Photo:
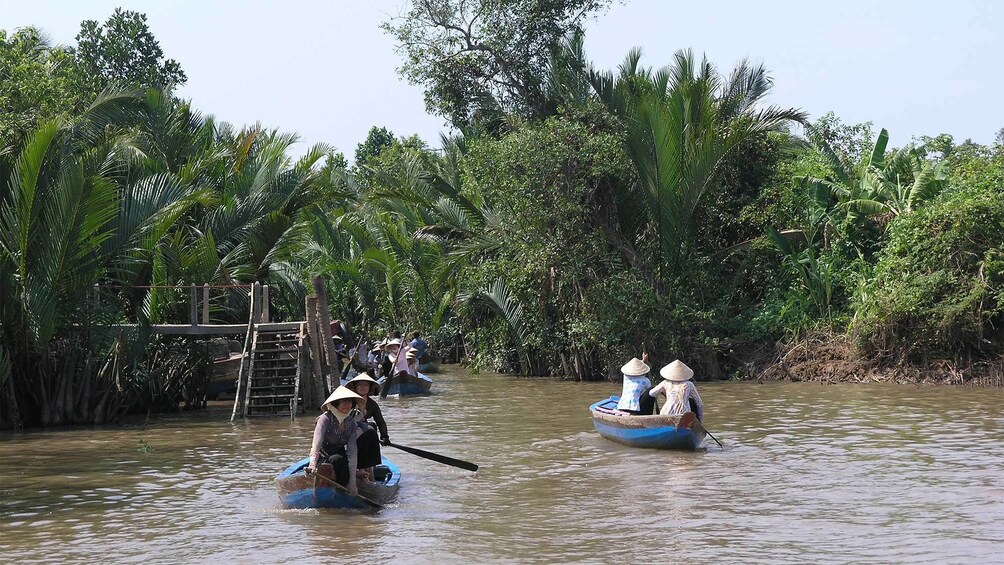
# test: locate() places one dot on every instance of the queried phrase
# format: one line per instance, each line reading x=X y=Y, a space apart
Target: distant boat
x=430 y=366
x=223 y=381
x=299 y=490
x=683 y=431
x=406 y=385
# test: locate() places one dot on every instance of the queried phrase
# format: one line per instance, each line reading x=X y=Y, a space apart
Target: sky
x=325 y=70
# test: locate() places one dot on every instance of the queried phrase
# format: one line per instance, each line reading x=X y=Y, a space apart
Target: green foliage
x=483 y=59
x=376 y=141
x=37 y=83
x=138 y=190
x=849 y=144
x=547 y=183
x=123 y=50
x=682 y=122
x=938 y=286
x=43 y=81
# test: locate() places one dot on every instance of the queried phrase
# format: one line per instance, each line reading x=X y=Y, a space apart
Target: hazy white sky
x=325 y=70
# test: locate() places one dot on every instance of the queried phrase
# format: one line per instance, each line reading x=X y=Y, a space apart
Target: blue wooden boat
x=683 y=431
x=404 y=384
x=299 y=490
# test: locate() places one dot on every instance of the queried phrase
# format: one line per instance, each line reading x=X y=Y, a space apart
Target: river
x=809 y=473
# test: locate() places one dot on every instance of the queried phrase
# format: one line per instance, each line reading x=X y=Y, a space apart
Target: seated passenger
x=375 y=359
x=412 y=366
x=634 y=399
x=681 y=392
x=419 y=344
x=390 y=367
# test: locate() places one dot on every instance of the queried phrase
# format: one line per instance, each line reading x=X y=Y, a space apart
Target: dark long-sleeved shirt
x=373 y=411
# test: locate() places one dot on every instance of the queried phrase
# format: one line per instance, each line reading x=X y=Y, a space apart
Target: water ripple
x=810 y=473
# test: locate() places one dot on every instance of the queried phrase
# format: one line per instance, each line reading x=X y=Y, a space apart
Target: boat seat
x=382 y=473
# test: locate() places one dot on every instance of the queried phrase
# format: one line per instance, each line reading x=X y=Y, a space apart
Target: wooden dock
x=285 y=365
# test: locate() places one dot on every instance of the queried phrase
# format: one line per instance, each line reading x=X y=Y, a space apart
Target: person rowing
x=388 y=366
x=369 y=446
x=680 y=390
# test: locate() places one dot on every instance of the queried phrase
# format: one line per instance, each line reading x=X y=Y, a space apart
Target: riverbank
x=834 y=359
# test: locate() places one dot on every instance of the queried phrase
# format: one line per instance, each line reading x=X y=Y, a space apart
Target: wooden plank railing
x=195 y=325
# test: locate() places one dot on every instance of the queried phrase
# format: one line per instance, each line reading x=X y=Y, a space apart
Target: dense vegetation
x=578 y=216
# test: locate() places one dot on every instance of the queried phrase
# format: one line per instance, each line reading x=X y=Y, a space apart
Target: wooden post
x=324 y=319
x=205 y=304
x=315 y=390
x=265 y=305
x=194 y=306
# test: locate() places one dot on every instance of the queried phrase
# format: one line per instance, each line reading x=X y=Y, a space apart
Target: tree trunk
x=324 y=319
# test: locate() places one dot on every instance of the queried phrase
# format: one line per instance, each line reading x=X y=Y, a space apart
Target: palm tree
x=682 y=121
x=71 y=215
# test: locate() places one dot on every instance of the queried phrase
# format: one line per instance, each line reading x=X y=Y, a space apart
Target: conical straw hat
x=677 y=371
x=363 y=378
x=635 y=367
x=340 y=393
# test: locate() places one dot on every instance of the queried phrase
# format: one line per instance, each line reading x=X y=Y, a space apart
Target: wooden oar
x=714 y=438
x=348 y=364
x=436 y=457
x=343 y=489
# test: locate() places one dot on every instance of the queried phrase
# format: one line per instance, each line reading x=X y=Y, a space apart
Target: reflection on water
x=845 y=473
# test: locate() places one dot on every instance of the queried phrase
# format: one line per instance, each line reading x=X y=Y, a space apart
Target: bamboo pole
x=301 y=355
x=324 y=319
x=243 y=372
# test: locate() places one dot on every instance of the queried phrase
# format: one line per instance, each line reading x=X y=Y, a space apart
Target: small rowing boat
x=299 y=490
x=405 y=384
x=683 y=431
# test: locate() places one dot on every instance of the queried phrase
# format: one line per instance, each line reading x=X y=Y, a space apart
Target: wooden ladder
x=275 y=365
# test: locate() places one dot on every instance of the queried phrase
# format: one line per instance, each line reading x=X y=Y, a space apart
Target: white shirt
x=678 y=396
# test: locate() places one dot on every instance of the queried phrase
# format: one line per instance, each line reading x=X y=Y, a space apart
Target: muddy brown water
x=809 y=473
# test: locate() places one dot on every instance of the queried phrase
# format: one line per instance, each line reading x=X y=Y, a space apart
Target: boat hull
x=223 y=382
x=682 y=431
x=299 y=490
x=429 y=367
x=407 y=385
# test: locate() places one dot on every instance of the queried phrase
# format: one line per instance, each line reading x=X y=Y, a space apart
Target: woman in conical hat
x=412 y=358
x=335 y=436
x=634 y=399
x=369 y=445
x=680 y=390
x=375 y=358
x=388 y=367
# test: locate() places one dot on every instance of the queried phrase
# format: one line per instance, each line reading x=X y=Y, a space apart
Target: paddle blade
x=459 y=463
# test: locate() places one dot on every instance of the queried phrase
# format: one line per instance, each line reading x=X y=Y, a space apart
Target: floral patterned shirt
x=678 y=397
